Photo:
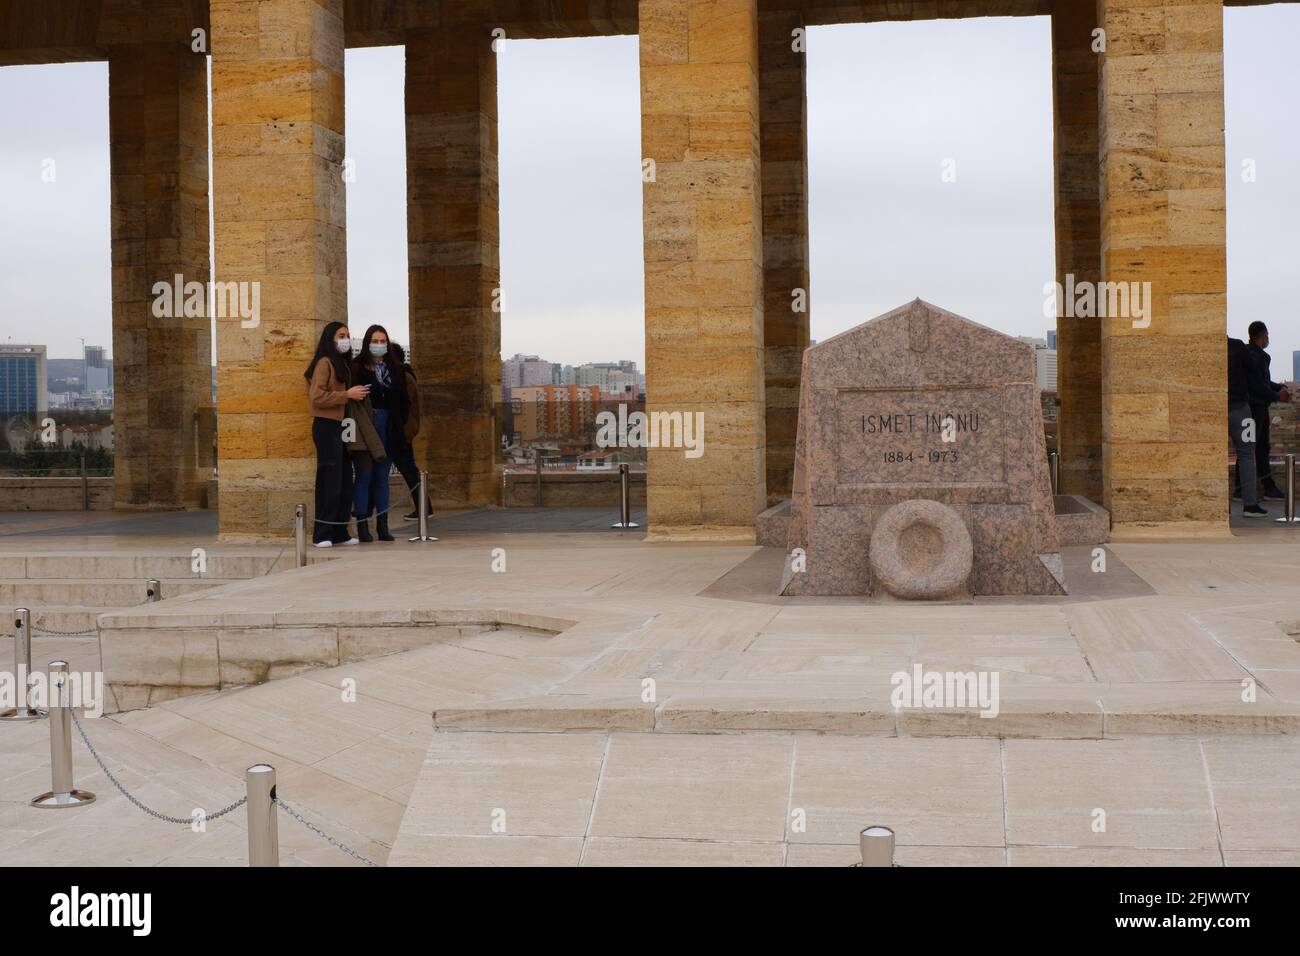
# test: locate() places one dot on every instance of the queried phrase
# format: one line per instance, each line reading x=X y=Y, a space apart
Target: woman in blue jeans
x=378 y=367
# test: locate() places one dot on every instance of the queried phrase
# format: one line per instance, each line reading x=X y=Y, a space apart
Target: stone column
x=1164 y=376
x=277 y=141
x=703 y=262
x=1078 y=245
x=453 y=236
x=162 y=363
x=783 y=107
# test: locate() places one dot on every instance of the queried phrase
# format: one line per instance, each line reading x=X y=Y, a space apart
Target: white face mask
x=343 y=345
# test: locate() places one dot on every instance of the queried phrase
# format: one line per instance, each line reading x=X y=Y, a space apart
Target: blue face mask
x=378 y=350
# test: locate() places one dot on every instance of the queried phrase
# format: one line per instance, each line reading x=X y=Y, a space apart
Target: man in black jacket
x=1241 y=428
x=1263 y=393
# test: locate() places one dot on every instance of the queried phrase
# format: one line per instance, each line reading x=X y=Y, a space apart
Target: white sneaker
x=323 y=544
x=352 y=541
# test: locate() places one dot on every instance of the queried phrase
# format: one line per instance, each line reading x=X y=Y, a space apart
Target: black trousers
x=1262 y=468
x=1260 y=412
x=404 y=462
x=333 y=481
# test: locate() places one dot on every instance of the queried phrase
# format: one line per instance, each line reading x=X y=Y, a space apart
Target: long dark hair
x=326 y=349
x=365 y=360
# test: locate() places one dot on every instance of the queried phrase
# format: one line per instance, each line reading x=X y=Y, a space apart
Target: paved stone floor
x=766 y=736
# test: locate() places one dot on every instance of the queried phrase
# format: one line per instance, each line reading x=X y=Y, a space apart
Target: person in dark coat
x=1264 y=393
x=1241 y=427
x=378 y=369
x=407 y=421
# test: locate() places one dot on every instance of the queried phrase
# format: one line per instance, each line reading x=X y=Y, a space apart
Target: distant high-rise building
x=1045 y=369
x=1295 y=366
x=1044 y=359
x=524 y=371
x=609 y=376
x=22 y=380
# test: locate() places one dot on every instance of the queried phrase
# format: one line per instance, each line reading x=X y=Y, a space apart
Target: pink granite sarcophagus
x=921 y=469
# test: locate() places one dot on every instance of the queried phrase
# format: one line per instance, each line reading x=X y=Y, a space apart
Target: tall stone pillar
x=704 y=262
x=277 y=140
x=1164 y=376
x=1076 y=68
x=783 y=127
x=453 y=240
x=158 y=147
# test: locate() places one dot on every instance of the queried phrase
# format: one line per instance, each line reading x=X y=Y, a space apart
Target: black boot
x=381 y=527
x=363 y=531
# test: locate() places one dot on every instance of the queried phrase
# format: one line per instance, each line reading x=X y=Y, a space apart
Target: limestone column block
x=158 y=149
x=783 y=128
x=1076 y=71
x=279 y=212
x=704 y=262
x=1163 y=222
x=453 y=236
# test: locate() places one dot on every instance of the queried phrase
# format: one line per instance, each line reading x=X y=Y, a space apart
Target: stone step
x=140 y=567
x=95 y=593
x=1119 y=713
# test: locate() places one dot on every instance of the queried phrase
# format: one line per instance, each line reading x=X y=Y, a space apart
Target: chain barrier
x=183 y=821
x=268 y=571
x=350 y=520
x=51 y=632
x=188 y=821
x=321 y=833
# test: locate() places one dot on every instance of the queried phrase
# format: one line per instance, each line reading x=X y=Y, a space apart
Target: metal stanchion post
x=1054 y=469
x=153 y=591
x=538 y=453
x=62 y=793
x=422 y=506
x=263 y=836
x=23 y=668
x=625 y=501
x=877 y=846
x=300 y=536
x=85 y=486
x=1289 y=465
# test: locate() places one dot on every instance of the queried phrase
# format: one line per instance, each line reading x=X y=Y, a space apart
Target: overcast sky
x=888 y=104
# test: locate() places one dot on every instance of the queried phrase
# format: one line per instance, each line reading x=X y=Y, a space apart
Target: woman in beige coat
x=329 y=392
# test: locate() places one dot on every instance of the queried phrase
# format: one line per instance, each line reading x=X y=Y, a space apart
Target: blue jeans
x=1238 y=415
x=371 y=489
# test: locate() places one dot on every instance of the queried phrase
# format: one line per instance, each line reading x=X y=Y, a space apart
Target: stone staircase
x=67 y=592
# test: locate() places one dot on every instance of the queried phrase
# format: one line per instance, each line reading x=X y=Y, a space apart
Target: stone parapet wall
x=54 y=494
x=569 y=490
